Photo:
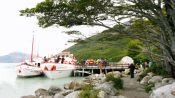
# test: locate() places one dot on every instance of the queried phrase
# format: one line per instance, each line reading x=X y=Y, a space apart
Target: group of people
x=144 y=65
x=89 y=62
x=57 y=60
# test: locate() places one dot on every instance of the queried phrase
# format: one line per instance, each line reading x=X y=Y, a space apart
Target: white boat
x=28 y=70
x=56 y=68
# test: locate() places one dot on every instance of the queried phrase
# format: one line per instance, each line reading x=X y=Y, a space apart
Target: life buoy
x=45 y=68
x=53 y=67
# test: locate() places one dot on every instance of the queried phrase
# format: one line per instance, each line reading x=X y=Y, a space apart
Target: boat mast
x=31 y=56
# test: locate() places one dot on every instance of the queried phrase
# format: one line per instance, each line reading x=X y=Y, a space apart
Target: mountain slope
x=111 y=46
x=14 y=57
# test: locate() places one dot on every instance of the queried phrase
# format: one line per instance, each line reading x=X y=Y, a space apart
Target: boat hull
x=58 y=74
x=60 y=71
x=28 y=71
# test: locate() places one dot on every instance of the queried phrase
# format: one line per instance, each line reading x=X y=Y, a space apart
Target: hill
x=14 y=57
x=111 y=46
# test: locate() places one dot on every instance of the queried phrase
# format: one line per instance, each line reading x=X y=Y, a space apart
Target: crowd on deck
x=92 y=62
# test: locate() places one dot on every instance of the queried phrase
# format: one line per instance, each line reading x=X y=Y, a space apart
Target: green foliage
x=118 y=82
x=112 y=50
x=158 y=70
x=134 y=48
x=141 y=58
x=135 y=51
x=148 y=87
x=88 y=92
x=68 y=12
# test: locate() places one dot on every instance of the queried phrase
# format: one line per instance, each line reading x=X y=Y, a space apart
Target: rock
x=66 y=92
x=96 y=77
x=157 y=85
x=66 y=86
x=45 y=96
x=166 y=91
x=145 y=80
x=126 y=72
x=75 y=85
x=155 y=79
x=73 y=95
x=117 y=96
x=102 y=94
x=107 y=87
x=41 y=92
x=53 y=90
x=58 y=95
x=150 y=74
x=116 y=74
x=173 y=93
x=29 y=96
x=167 y=80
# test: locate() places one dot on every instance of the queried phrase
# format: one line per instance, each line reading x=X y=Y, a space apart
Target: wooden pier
x=88 y=70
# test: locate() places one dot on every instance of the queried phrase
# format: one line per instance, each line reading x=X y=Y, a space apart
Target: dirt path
x=132 y=89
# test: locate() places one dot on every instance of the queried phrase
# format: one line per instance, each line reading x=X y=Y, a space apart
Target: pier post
x=74 y=73
x=105 y=70
x=83 y=72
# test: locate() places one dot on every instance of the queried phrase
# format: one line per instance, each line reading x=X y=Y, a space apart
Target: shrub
x=88 y=92
x=148 y=87
x=118 y=82
x=158 y=70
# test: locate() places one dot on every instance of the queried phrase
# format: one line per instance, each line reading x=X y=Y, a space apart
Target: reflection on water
x=14 y=87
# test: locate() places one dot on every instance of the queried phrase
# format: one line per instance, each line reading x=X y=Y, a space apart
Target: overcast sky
x=16 y=31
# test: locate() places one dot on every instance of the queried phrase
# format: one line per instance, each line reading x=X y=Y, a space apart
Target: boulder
x=167 y=91
x=66 y=92
x=45 y=96
x=75 y=85
x=107 y=87
x=96 y=77
x=116 y=74
x=126 y=72
x=155 y=79
x=66 y=86
x=167 y=80
x=73 y=95
x=29 y=96
x=102 y=94
x=117 y=96
x=41 y=92
x=58 y=95
x=53 y=90
x=157 y=85
x=150 y=74
x=145 y=80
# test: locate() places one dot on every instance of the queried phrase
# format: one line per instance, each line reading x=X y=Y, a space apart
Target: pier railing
x=92 y=69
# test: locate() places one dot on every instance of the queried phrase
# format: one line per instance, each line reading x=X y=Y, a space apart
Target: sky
x=16 y=31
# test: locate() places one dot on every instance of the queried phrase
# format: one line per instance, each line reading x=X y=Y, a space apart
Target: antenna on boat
x=31 y=56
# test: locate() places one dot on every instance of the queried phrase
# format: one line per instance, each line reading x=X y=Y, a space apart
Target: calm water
x=13 y=87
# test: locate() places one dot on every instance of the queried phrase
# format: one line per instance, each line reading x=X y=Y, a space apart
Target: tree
x=160 y=14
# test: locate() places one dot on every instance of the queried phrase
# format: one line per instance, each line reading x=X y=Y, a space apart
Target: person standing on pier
x=62 y=60
x=132 y=68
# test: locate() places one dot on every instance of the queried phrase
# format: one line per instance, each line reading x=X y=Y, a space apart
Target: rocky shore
x=73 y=89
x=163 y=88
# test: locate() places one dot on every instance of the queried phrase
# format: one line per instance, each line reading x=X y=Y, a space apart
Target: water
x=13 y=87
